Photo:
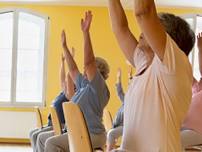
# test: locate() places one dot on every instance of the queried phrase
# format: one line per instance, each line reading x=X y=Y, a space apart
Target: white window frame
x=194 y=17
x=13 y=102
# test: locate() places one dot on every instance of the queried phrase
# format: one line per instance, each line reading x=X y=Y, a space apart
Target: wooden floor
x=15 y=148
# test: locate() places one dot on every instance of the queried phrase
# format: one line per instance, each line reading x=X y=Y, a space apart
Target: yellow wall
x=104 y=43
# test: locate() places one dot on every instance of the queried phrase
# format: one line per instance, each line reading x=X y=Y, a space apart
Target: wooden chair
x=107 y=120
x=78 y=135
x=38 y=117
x=55 y=121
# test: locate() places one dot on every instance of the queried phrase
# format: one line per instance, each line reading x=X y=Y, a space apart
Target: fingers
x=86 y=21
x=199 y=35
x=63 y=35
x=82 y=22
x=88 y=16
x=73 y=52
x=62 y=57
x=63 y=32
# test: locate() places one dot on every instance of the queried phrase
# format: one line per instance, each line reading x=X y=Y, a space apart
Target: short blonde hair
x=103 y=67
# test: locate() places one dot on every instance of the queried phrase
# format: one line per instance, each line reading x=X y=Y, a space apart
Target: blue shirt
x=92 y=97
x=118 y=121
x=57 y=103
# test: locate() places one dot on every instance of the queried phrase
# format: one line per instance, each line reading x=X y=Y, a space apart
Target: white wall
x=16 y=124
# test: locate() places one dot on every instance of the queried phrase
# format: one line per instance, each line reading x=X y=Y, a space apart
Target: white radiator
x=16 y=124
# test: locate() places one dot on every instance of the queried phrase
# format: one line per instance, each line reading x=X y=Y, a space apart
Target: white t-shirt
x=157 y=102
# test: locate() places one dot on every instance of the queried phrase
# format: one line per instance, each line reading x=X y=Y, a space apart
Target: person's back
x=92 y=97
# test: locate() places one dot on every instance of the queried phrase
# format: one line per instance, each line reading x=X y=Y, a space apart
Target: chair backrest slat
x=38 y=117
x=55 y=121
x=78 y=135
x=107 y=120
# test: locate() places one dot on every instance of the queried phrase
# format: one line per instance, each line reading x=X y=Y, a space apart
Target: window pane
x=196 y=61
x=6 y=40
x=31 y=35
x=191 y=23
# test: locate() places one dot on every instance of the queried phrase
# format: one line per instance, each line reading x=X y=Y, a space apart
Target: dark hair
x=103 y=67
x=179 y=30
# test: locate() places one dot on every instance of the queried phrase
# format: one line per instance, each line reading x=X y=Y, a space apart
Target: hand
x=199 y=41
x=73 y=52
x=85 y=23
x=63 y=39
x=62 y=57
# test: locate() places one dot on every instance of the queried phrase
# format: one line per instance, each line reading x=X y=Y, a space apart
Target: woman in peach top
x=160 y=93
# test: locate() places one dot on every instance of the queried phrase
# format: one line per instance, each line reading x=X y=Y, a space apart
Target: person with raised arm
x=117 y=127
x=160 y=93
x=68 y=88
x=92 y=93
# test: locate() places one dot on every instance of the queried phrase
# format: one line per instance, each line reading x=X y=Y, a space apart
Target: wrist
x=86 y=32
x=64 y=46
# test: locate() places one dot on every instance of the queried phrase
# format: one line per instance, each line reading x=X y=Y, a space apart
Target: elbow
x=89 y=62
x=72 y=71
x=120 y=29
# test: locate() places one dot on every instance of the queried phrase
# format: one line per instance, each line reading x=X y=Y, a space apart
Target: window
x=23 y=43
x=195 y=21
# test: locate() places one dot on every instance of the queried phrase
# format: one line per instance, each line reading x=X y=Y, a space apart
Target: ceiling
x=128 y=3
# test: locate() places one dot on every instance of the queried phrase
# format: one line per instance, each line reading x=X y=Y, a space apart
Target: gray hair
x=103 y=67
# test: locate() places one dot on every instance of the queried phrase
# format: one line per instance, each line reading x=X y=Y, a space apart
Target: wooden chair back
x=55 y=121
x=38 y=117
x=78 y=135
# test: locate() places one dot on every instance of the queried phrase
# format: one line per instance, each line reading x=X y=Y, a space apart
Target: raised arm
x=124 y=36
x=62 y=73
x=70 y=87
x=69 y=83
x=119 y=88
x=89 y=58
x=73 y=69
x=151 y=27
x=199 y=43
